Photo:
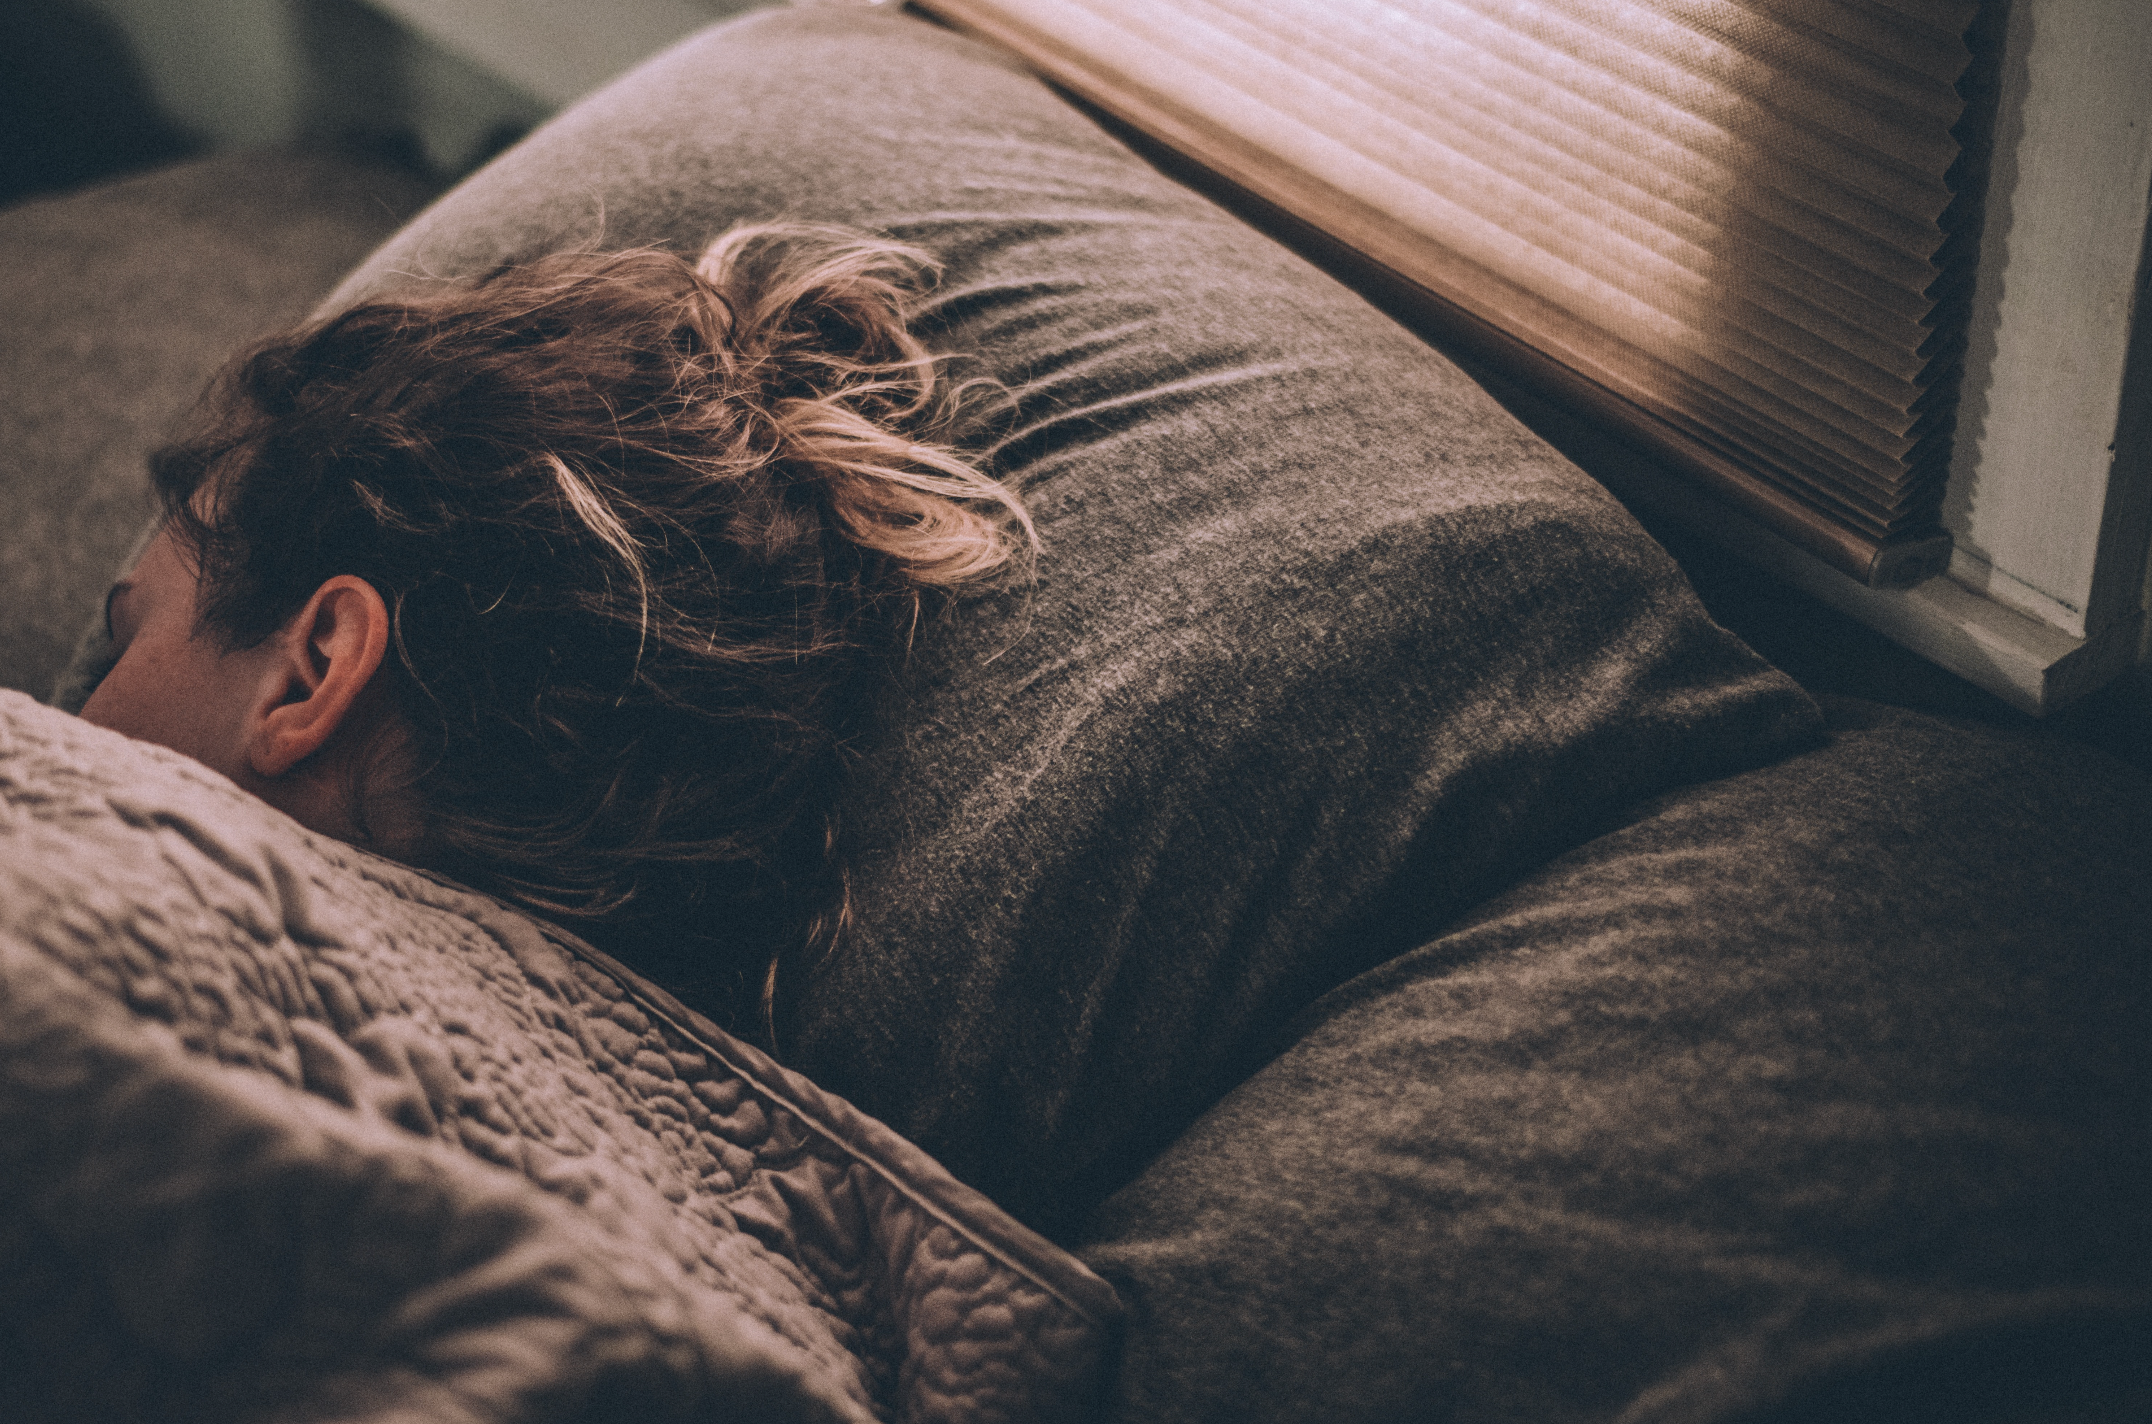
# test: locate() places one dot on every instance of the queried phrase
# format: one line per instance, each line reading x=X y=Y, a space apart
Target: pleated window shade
x=1725 y=225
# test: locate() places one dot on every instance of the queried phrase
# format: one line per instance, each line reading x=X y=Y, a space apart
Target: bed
x=1352 y=939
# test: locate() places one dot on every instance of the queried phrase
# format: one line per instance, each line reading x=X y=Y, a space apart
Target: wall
x=558 y=49
x=2051 y=490
x=456 y=74
x=230 y=71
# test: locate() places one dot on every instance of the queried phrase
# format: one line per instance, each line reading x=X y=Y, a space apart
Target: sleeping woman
x=577 y=584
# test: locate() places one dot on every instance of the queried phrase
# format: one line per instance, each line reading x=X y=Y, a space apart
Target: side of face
x=299 y=720
x=175 y=684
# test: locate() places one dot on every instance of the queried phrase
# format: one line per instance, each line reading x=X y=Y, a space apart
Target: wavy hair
x=652 y=535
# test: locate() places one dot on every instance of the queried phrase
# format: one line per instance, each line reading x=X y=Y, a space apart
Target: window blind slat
x=1726 y=218
x=1949 y=17
x=1601 y=185
x=1641 y=48
x=1184 y=38
x=1883 y=40
x=1637 y=176
x=1841 y=66
x=1721 y=114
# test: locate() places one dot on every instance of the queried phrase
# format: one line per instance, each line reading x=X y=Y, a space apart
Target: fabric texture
x=291 y=1132
x=1813 y=1093
x=116 y=305
x=1733 y=224
x=1323 y=644
x=1820 y=1093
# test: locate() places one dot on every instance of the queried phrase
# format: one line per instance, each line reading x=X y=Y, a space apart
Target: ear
x=318 y=665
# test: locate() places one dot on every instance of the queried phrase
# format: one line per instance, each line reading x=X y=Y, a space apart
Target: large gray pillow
x=1324 y=645
x=1821 y=1094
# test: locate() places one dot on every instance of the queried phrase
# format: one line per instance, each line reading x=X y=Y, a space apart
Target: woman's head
x=640 y=535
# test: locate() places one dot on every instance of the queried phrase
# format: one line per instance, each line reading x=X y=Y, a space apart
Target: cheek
x=177 y=693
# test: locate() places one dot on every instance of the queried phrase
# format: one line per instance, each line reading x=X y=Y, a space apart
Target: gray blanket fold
x=289 y=1132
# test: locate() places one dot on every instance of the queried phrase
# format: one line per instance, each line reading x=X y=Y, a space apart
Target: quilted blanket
x=290 y=1132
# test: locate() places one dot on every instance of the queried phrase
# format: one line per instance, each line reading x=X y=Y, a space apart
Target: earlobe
x=318 y=665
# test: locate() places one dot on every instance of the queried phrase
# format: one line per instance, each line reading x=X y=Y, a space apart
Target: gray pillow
x=1822 y=1093
x=1324 y=645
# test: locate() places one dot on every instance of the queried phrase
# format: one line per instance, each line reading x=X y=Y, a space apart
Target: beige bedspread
x=290 y=1132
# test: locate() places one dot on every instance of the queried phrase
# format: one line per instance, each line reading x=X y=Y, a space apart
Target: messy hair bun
x=650 y=533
